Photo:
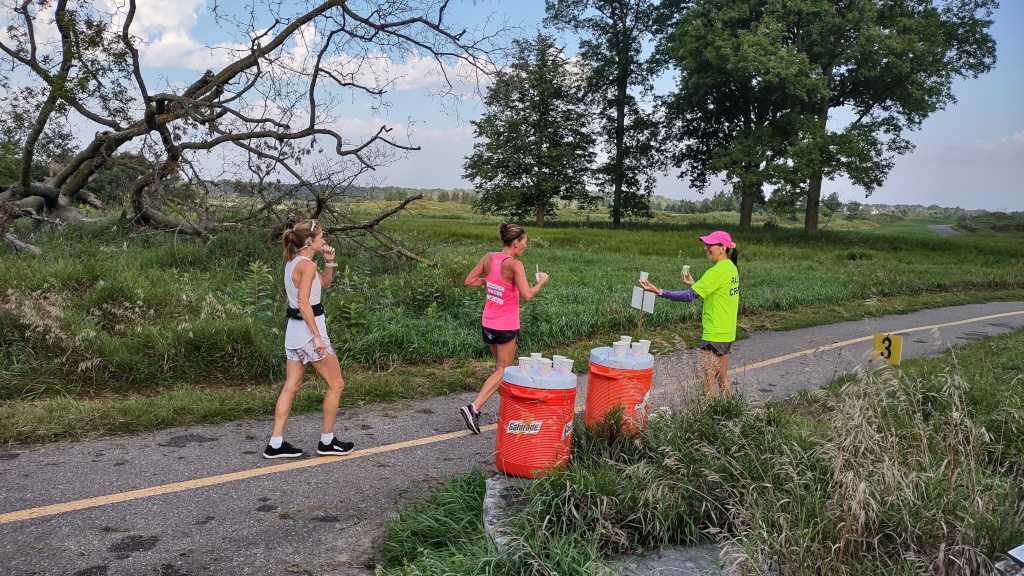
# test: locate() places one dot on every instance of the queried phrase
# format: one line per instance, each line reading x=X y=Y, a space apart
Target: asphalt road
x=943 y=229
x=201 y=500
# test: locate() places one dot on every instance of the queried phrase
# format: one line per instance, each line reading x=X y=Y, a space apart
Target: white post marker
x=889 y=348
x=643 y=301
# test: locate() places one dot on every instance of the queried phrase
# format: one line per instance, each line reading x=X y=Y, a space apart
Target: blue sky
x=970 y=155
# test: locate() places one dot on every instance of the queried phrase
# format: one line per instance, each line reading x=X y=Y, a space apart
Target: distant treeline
x=727 y=202
x=721 y=201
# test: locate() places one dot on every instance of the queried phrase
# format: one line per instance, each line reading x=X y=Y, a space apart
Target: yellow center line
x=866 y=338
x=253 y=473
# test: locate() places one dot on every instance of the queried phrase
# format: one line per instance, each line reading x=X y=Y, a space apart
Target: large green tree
x=737 y=105
x=535 y=149
x=612 y=36
x=842 y=81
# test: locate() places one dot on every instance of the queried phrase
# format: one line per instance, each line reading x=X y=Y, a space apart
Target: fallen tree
x=258 y=135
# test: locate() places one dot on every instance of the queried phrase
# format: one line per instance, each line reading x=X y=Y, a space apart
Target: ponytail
x=510 y=233
x=733 y=254
x=298 y=237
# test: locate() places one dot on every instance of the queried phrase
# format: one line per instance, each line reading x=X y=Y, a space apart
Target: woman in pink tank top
x=504 y=278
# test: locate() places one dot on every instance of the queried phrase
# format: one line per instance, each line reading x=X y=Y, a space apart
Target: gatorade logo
x=567 y=430
x=519 y=427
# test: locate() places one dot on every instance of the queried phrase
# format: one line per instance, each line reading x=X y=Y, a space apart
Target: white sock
x=327 y=438
x=275 y=441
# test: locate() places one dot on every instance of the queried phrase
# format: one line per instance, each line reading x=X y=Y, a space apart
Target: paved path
x=943 y=229
x=200 y=500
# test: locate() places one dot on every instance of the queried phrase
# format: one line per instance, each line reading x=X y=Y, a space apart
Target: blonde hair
x=298 y=237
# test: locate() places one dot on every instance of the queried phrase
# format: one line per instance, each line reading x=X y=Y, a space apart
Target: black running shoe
x=335 y=448
x=285 y=451
x=472 y=417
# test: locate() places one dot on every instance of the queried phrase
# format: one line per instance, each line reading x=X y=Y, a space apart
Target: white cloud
x=1017 y=139
x=453 y=135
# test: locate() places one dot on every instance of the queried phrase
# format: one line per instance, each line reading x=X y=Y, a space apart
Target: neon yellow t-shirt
x=720 y=289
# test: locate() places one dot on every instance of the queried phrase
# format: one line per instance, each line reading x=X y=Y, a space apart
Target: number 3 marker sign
x=889 y=348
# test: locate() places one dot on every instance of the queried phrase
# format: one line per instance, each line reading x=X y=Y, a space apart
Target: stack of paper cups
x=545 y=367
x=525 y=362
x=562 y=365
x=619 y=348
x=565 y=365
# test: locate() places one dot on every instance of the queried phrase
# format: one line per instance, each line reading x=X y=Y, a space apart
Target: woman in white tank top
x=306 y=339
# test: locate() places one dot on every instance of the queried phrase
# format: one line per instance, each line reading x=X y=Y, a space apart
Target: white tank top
x=298 y=335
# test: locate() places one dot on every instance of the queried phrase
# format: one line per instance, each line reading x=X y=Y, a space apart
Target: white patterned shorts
x=307 y=354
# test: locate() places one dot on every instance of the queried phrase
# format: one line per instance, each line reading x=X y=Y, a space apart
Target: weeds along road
x=202 y=500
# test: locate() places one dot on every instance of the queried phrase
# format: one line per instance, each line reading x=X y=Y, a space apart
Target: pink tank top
x=501 y=310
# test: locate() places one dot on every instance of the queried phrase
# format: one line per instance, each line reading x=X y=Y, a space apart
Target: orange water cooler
x=619 y=381
x=534 y=421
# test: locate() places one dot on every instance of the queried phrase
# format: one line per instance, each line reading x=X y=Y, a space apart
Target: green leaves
x=793 y=92
x=613 y=33
x=536 y=150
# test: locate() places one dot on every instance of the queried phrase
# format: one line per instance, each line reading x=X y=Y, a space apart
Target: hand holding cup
x=646 y=285
x=685 y=275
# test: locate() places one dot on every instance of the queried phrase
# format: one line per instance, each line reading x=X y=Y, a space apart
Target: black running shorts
x=492 y=336
x=719 y=348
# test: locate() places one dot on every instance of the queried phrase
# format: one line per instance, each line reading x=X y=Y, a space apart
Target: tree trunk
x=28 y=152
x=813 y=206
x=747 y=207
x=540 y=214
x=622 y=87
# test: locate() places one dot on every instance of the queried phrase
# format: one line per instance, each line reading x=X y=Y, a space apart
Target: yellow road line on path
x=223 y=478
x=865 y=338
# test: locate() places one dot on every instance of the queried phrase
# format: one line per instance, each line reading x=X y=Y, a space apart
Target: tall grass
x=914 y=472
x=107 y=309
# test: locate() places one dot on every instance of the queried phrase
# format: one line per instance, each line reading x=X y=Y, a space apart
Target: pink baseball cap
x=718 y=237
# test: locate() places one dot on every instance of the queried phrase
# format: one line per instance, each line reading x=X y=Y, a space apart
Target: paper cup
x=619 y=348
x=686 y=268
x=637 y=349
x=627 y=339
x=643 y=275
x=563 y=365
x=647 y=346
x=525 y=363
x=545 y=367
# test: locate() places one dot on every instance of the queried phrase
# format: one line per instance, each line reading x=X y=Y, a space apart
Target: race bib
x=496 y=293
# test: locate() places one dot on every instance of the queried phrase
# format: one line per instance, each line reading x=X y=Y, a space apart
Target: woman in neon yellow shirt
x=720 y=289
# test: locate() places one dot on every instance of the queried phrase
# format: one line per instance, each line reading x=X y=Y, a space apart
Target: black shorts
x=492 y=336
x=719 y=348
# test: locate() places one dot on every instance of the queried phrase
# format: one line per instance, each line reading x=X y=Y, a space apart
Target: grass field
x=112 y=328
x=919 y=471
